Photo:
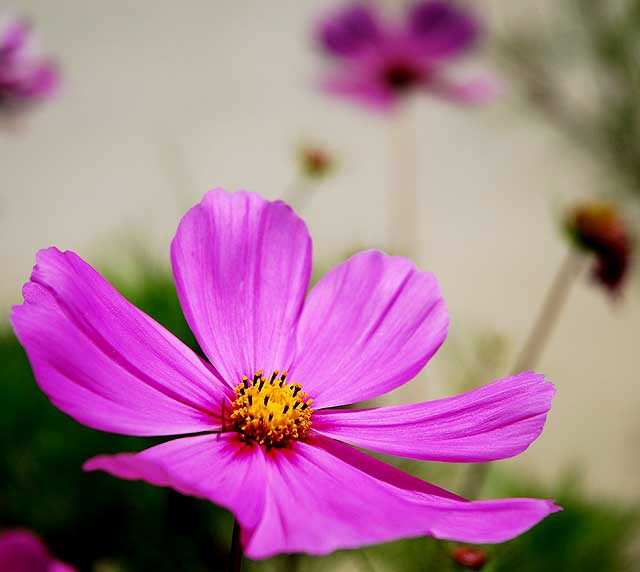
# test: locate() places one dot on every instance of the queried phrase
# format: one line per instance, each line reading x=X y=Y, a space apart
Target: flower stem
x=235 y=554
x=299 y=193
x=404 y=220
x=365 y=560
x=291 y=563
x=551 y=307
x=535 y=343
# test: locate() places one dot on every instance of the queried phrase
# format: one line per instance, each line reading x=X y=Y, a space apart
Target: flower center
x=271 y=411
x=400 y=76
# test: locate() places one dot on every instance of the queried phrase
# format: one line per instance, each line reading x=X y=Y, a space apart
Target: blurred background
x=161 y=101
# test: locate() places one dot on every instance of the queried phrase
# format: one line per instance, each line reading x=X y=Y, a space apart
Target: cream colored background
x=163 y=100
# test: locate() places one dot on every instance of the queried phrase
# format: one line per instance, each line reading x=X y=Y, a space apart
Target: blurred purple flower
x=378 y=63
x=26 y=77
x=351 y=31
x=23 y=551
x=271 y=450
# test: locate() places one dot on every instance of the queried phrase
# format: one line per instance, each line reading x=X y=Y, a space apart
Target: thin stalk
x=550 y=312
x=173 y=161
x=235 y=554
x=534 y=345
x=365 y=560
x=404 y=220
x=292 y=563
x=299 y=193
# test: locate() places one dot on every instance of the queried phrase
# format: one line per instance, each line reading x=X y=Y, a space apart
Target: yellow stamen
x=271 y=411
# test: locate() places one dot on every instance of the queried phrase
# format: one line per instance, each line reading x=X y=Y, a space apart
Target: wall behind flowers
x=161 y=102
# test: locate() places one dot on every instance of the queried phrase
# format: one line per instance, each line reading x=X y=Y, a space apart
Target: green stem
x=540 y=334
x=404 y=219
x=365 y=561
x=291 y=563
x=235 y=554
x=299 y=194
x=550 y=312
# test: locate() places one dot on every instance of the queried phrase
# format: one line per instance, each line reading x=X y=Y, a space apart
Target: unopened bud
x=469 y=557
x=598 y=228
x=315 y=162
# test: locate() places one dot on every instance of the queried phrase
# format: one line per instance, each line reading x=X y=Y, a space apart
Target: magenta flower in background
x=26 y=77
x=23 y=551
x=270 y=444
x=379 y=63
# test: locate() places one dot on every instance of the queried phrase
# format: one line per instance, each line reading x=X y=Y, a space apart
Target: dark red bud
x=469 y=557
x=315 y=162
x=599 y=229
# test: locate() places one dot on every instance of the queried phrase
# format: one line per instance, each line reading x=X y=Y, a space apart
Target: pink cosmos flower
x=25 y=76
x=378 y=63
x=271 y=443
x=23 y=551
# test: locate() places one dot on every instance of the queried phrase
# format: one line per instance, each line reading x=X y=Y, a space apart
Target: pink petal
x=368 y=326
x=442 y=29
x=242 y=267
x=318 y=496
x=218 y=467
x=479 y=91
x=106 y=363
x=350 y=30
x=354 y=84
x=327 y=496
x=23 y=551
x=42 y=80
x=14 y=35
x=57 y=566
x=493 y=422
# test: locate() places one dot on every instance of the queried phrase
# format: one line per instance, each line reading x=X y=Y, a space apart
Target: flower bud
x=315 y=162
x=469 y=557
x=598 y=228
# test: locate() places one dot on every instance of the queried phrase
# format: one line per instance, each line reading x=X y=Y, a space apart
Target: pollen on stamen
x=270 y=411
